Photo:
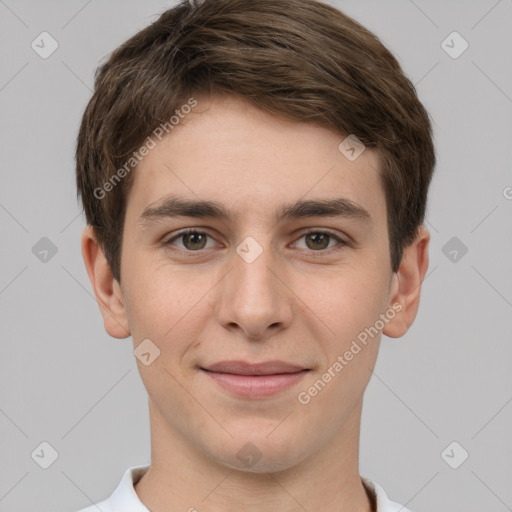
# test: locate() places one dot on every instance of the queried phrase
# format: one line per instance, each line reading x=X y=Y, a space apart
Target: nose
x=255 y=297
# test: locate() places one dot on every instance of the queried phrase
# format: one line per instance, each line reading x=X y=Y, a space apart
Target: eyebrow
x=174 y=206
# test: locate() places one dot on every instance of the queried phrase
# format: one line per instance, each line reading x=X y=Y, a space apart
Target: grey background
x=65 y=381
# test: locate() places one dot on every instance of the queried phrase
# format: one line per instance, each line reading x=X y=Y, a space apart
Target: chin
x=263 y=465
x=260 y=454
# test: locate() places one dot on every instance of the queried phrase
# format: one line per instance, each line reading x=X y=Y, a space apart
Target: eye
x=193 y=240
x=318 y=241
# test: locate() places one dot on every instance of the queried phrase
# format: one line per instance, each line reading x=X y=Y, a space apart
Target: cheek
x=350 y=304
x=348 y=301
x=166 y=305
x=351 y=353
x=160 y=311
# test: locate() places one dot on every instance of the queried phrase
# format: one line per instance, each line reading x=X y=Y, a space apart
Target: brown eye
x=191 y=240
x=317 y=240
x=321 y=241
x=194 y=241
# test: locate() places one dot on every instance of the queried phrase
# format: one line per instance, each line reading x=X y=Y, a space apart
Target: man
x=254 y=177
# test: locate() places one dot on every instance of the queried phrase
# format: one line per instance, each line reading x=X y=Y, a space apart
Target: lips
x=244 y=368
x=255 y=380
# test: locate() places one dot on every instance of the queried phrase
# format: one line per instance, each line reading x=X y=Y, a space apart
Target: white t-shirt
x=125 y=499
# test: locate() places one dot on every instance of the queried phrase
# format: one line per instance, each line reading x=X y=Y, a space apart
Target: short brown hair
x=300 y=59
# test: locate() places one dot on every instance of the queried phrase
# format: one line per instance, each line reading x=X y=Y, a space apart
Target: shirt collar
x=124 y=497
x=384 y=504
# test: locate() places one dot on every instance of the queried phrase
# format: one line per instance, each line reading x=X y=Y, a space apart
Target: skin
x=287 y=305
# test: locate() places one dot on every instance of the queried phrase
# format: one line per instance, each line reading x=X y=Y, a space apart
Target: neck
x=183 y=478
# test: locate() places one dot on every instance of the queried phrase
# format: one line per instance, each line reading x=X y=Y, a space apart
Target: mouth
x=255 y=380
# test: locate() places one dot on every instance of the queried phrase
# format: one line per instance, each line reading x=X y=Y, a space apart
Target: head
x=229 y=117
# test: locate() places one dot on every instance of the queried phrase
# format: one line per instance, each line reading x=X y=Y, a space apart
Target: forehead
x=228 y=151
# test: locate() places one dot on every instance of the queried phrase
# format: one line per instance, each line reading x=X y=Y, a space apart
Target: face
x=264 y=282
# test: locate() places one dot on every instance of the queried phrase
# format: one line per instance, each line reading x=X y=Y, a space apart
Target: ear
x=406 y=285
x=106 y=288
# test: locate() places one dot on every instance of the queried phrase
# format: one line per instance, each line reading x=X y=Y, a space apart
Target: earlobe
x=106 y=289
x=406 y=286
